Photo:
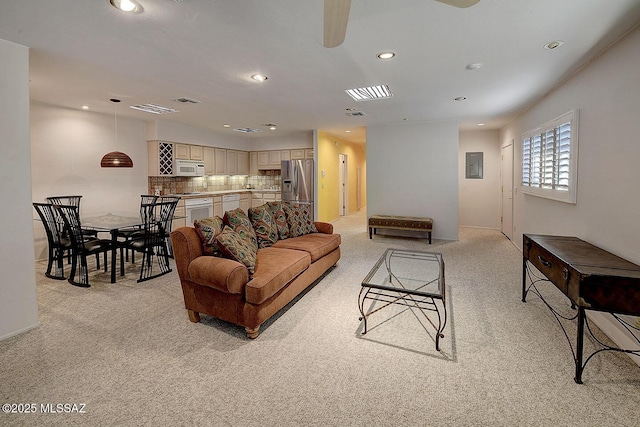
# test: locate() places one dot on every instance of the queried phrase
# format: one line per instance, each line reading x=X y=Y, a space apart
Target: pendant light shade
x=116 y=159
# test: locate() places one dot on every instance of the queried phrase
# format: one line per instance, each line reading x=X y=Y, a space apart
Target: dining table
x=113 y=222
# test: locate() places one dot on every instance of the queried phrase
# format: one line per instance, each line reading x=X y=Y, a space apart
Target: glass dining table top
x=112 y=220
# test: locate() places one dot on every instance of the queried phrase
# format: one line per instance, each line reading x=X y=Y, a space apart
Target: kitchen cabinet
x=297 y=154
x=308 y=153
x=209 y=160
x=232 y=162
x=256 y=200
x=217 y=206
x=220 y=161
x=268 y=160
x=243 y=163
x=188 y=152
x=245 y=203
x=285 y=155
x=263 y=159
x=253 y=163
x=275 y=157
x=179 y=212
x=160 y=158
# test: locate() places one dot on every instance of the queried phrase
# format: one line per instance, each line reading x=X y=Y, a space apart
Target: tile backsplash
x=187 y=184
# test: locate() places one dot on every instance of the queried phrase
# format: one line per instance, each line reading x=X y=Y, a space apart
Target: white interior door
x=506 y=172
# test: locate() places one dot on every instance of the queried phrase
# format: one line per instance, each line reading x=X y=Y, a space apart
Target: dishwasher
x=230 y=202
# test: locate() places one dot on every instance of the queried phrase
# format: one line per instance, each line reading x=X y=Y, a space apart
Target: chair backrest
x=167 y=211
x=71 y=218
x=65 y=200
x=49 y=220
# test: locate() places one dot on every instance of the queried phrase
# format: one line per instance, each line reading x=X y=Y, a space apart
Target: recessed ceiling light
x=226 y=125
x=130 y=6
x=369 y=93
x=85 y=107
x=386 y=55
x=554 y=44
x=271 y=126
x=347 y=131
x=473 y=66
x=480 y=124
x=259 y=77
x=460 y=98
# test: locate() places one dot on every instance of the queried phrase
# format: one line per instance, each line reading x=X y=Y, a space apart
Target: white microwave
x=189 y=167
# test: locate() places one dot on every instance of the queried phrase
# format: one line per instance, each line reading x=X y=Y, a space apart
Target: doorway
x=343 y=187
x=506 y=175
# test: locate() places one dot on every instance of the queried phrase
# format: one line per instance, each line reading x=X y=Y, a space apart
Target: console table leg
x=579 y=345
x=524 y=279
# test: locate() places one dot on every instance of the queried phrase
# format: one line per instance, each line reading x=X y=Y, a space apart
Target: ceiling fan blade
x=459 y=3
x=336 y=16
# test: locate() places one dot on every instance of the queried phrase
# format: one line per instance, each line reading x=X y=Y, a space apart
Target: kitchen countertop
x=222 y=193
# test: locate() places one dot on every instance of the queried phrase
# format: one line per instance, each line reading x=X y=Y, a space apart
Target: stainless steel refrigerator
x=297 y=182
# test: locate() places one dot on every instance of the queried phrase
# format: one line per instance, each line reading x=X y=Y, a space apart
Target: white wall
x=412 y=169
x=66 y=149
x=18 y=302
x=607 y=93
x=177 y=132
x=480 y=199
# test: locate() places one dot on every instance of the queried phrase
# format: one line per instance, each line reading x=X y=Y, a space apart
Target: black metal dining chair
x=134 y=232
x=58 y=245
x=153 y=243
x=81 y=247
x=72 y=201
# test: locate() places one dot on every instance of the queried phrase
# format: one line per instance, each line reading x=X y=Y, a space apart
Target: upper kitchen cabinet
x=160 y=158
x=297 y=154
x=308 y=153
x=243 y=163
x=209 y=160
x=272 y=159
x=189 y=152
x=232 y=162
x=253 y=163
x=220 y=161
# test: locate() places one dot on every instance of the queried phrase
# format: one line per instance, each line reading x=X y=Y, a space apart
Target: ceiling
x=85 y=52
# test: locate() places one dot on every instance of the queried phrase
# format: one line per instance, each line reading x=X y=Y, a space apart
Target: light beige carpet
x=129 y=353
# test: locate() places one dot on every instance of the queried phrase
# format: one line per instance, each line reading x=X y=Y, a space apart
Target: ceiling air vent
x=154 y=109
x=370 y=93
x=355 y=114
x=247 y=130
x=186 y=100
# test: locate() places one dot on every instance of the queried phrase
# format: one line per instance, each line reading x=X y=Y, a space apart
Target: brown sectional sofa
x=221 y=287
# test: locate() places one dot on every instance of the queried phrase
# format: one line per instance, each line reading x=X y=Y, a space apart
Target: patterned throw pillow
x=208 y=229
x=234 y=246
x=280 y=218
x=264 y=224
x=299 y=220
x=239 y=222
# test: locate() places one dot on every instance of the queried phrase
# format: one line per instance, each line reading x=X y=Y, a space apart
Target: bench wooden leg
x=252 y=333
x=429 y=237
x=369 y=232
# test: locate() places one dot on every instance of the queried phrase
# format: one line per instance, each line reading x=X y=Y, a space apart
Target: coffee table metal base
x=394 y=290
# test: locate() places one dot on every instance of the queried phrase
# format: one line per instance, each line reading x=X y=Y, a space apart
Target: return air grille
x=370 y=93
x=247 y=130
x=154 y=109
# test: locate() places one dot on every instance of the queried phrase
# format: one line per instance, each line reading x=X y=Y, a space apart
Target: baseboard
x=621 y=337
x=18 y=332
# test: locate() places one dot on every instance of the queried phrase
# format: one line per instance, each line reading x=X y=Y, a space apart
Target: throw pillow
x=208 y=229
x=264 y=224
x=299 y=220
x=280 y=218
x=234 y=246
x=239 y=222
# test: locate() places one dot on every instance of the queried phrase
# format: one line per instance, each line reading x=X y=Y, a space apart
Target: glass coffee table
x=409 y=278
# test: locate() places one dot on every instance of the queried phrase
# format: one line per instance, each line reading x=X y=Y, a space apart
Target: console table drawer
x=549 y=265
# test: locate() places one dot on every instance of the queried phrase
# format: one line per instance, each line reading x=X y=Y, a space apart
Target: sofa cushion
x=208 y=229
x=275 y=268
x=316 y=245
x=281 y=219
x=264 y=225
x=234 y=246
x=299 y=219
x=238 y=220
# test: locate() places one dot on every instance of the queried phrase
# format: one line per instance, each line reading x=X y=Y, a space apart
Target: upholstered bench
x=410 y=223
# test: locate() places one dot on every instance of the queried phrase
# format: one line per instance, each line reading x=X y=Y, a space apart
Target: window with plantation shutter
x=550 y=159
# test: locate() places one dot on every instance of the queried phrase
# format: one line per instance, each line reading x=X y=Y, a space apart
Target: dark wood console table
x=592 y=278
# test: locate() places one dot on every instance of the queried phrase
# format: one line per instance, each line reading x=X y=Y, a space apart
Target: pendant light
x=116 y=159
